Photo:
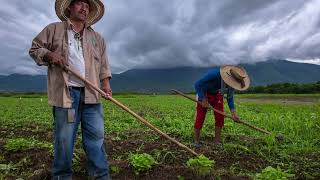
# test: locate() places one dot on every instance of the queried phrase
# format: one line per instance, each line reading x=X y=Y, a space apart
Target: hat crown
x=235 y=76
x=237 y=73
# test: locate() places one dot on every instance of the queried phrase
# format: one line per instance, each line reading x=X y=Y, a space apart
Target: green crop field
x=26 y=130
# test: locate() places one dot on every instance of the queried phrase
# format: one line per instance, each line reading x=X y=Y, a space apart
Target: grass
x=298 y=154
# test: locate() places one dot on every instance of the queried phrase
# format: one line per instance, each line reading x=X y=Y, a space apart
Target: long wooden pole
x=105 y=96
x=222 y=113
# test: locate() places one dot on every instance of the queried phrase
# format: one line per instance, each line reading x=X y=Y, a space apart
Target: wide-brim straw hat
x=235 y=76
x=95 y=14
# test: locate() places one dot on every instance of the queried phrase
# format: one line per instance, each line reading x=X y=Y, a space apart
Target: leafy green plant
x=274 y=174
x=141 y=162
x=115 y=169
x=6 y=168
x=201 y=165
x=235 y=147
x=2 y=158
x=21 y=144
x=48 y=146
x=18 y=144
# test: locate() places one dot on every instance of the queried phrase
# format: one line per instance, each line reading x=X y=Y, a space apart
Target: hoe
x=279 y=137
x=105 y=96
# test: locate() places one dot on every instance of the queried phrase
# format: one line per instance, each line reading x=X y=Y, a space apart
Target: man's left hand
x=235 y=117
x=106 y=87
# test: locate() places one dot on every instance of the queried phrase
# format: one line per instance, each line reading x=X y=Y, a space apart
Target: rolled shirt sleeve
x=105 y=71
x=230 y=99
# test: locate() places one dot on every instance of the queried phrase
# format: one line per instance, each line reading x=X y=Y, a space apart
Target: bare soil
x=36 y=163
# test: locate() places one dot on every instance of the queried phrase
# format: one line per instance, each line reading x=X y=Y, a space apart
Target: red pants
x=216 y=101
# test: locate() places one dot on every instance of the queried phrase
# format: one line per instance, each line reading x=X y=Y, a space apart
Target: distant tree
x=283 y=88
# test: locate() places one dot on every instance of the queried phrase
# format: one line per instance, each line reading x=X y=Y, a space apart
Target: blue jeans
x=65 y=131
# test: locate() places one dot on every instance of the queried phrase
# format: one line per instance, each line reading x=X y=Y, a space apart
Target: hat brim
x=96 y=10
x=229 y=80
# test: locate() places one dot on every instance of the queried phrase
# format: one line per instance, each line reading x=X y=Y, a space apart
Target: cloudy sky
x=171 y=33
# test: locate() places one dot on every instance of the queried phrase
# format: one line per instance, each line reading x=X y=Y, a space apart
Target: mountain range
x=183 y=78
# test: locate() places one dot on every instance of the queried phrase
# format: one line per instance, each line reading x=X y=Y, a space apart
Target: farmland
x=26 y=138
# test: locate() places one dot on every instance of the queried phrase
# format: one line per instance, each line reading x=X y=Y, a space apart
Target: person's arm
x=201 y=86
x=198 y=86
x=40 y=49
x=231 y=105
x=105 y=72
x=106 y=86
x=235 y=116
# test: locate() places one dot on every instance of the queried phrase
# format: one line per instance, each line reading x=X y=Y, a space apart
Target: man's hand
x=204 y=103
x=55 y=58
x=106 y=87
x=235 y=117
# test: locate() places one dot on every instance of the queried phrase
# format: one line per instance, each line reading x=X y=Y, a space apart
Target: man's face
x=79 y=10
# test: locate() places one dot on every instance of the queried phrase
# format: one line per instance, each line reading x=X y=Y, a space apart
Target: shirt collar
x=70 y=25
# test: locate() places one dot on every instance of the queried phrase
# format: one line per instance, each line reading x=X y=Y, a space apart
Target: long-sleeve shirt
x=54 y=38
x=212 y=83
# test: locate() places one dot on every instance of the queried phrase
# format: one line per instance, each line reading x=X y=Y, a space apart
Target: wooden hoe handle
x=222 y=113
x=104 y=95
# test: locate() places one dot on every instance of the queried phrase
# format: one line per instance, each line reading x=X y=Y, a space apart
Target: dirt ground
x=229 y=164
x=171 y=159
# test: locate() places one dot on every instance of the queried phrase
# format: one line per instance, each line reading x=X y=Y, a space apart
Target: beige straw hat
x=95 y=14
x=235 y=76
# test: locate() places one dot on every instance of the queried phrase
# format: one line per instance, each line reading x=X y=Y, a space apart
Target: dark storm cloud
x=154 y=34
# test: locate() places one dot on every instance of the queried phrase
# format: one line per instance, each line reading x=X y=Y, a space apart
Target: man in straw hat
x=211 y=89
x=75 y=44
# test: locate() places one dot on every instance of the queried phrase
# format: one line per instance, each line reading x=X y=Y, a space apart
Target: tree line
x=285 y=88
